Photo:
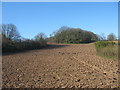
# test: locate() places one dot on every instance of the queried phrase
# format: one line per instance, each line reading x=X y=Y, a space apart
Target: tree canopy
x=73 y=35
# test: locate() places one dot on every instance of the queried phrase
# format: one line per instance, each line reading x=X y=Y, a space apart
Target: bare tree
x=10 y=32
x=102 y=36
x=40 y=36
x=111 y=37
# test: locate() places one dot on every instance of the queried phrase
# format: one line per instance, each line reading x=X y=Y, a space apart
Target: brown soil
x=63 y=66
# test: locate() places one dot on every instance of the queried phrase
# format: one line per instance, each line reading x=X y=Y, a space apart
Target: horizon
x=31 y=18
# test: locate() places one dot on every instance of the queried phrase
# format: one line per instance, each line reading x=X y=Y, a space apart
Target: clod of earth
x=74 y=65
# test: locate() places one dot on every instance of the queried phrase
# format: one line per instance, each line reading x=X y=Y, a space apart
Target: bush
x=102 y=44
x=12 y=46
x=107 y=49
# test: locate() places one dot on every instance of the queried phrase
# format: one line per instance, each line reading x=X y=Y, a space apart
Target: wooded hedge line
x=73 y=35
x=12 y=41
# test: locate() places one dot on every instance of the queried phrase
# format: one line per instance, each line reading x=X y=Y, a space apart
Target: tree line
x=13 y=41
x=77 y=35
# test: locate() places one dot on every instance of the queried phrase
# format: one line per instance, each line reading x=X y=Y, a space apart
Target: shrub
x=12 y=46
x=102 y=44
x=107 y=49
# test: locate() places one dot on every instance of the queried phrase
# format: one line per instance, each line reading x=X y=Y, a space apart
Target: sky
x=32 y=18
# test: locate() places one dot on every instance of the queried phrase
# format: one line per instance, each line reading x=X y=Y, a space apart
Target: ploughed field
x=59 y=66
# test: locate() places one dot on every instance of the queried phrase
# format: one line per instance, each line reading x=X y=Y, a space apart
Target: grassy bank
x=107 y=49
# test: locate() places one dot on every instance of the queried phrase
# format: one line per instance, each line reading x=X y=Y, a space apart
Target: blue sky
x=32 y=18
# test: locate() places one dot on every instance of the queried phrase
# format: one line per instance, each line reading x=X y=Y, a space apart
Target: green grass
x=107 y=49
